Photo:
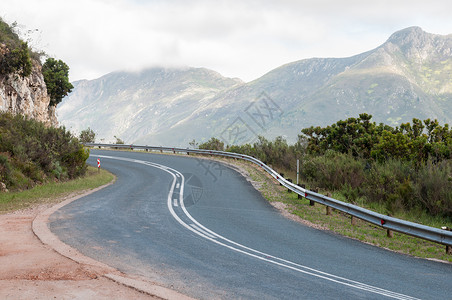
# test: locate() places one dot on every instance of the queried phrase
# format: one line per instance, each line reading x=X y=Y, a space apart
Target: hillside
x=22 y=87
x=409 y=76
x=135 y=104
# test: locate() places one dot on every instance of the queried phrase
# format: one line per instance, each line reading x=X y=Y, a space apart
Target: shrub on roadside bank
x=402 y=169
x=31 y=153
x=394 y=184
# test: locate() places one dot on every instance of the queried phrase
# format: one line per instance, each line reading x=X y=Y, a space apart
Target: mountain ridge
x=407 y=76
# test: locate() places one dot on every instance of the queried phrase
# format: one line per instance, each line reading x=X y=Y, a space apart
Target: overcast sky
x=243 y=39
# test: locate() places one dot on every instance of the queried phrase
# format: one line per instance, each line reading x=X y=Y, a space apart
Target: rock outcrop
x=26 y=96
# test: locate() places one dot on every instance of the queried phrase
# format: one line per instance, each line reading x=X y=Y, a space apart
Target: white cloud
x=241 y=39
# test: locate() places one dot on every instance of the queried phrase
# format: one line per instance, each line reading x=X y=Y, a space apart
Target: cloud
x=237 y=38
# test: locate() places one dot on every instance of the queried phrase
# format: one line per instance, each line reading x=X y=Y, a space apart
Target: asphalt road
x=200 y=228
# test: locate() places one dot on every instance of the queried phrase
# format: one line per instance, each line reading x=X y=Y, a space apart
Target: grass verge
x=54 y=191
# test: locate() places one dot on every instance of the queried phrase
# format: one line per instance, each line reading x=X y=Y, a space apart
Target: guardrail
x=414 y=229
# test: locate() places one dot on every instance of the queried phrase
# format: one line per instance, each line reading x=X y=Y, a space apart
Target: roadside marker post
x=448 y=248
x=98 y=165
x=298 y=169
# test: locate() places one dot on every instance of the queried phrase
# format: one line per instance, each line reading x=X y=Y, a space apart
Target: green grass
x=53 y=192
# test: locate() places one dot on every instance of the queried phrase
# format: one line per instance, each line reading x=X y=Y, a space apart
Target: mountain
x=409 y=76
x=130 y=105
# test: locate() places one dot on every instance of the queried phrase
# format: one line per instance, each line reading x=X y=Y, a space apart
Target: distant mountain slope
x=130 y=105
x=409 y=76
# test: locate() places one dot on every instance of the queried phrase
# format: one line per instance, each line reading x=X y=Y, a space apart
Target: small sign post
x=298 y=169
x=98 y=165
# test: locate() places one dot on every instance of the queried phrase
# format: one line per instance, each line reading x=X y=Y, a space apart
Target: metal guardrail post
x=311 y=202
x=288 y=189
x=328 y=208
x=389 y=232
x=448 y=247
x=302 y=186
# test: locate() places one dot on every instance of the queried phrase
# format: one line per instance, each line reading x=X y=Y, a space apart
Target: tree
x=194 y=144
x=56 y=77
x=212 y=144
x=118 y=141
x=16 y=60
x=87 y=136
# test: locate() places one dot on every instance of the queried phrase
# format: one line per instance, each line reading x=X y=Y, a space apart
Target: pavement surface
x=198 y=227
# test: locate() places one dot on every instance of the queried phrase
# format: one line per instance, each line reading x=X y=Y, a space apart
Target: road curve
x=198 y=227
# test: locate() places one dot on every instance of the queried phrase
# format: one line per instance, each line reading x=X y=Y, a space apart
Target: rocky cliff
x=26 y=96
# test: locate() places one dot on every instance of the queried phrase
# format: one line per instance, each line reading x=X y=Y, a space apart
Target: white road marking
x=208 y=234
x=202 y=231
x=177 y=185
x=175 y=202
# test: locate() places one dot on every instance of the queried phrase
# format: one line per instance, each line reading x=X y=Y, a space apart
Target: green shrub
x=433 y=188
x=383 y=179
x=5 y=169
x=213 y=144
x=32 y=153
x=17 y=60
x=87 y=136
x=17 y=57
x=7 y=34
x=333 y=170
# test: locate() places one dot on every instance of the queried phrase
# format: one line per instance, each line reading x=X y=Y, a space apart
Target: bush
x=433 y=188
x=118 y=141
x=16 y=60
x=31 y=153
x=5 y=169
x=17 y=57
x=333 y=171
x=212 y=144
x=389 y=183
x=87 y=136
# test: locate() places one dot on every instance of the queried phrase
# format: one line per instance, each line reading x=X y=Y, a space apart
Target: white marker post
x=298 y=169
x=98 y=165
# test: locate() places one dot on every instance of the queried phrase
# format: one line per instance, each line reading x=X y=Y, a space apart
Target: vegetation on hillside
x=417 y=142
x=31 y=153
x=405 y=168
x=16 y=58
x=212 y=144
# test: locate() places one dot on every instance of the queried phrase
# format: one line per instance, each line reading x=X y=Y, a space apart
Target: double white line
x=197 y=228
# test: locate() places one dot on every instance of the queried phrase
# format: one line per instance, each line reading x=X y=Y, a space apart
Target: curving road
x=198 y=227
